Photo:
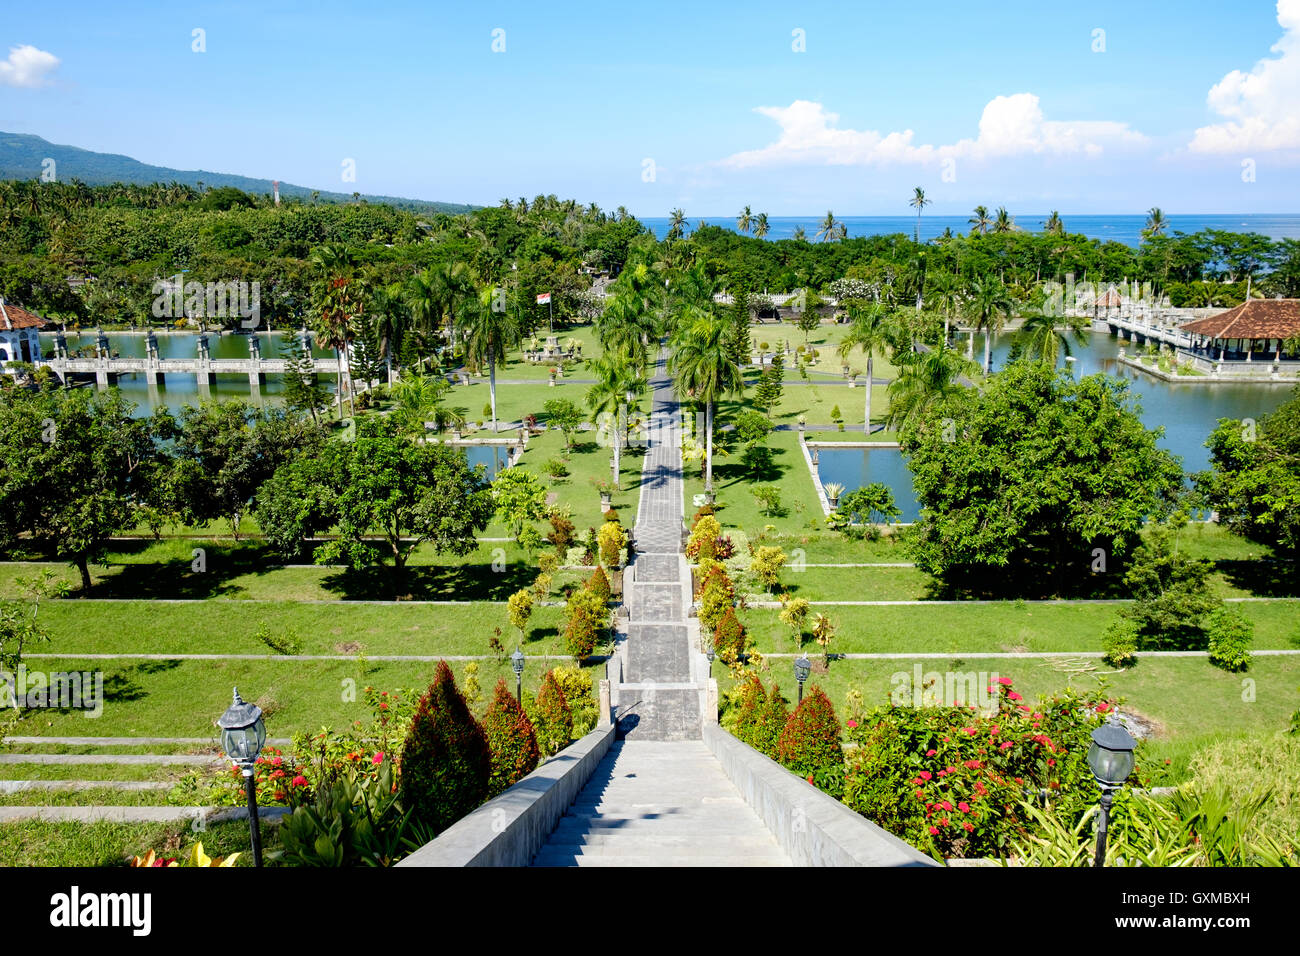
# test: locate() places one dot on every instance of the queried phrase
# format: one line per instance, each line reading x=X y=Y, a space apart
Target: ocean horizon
x=1126 y=229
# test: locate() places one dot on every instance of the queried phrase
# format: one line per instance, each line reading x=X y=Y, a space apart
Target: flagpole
x=550 y=310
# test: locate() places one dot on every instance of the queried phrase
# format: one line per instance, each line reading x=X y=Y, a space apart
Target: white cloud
x=1009 y=126
x=1262 y=107
x=27 y=66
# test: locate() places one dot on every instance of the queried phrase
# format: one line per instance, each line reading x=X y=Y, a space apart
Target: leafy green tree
x=926 y=380
x=871 y=503
x=222 y=452
x=988 y=306
x=1254 y=477
x=520 y=499
x=302 y=391
x=566 y=416
x=77 y=468
x=1037 y=473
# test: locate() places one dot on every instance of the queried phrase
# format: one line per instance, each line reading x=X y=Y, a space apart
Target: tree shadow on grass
x=1262 y=578
x=179 y=579
x=469 y=582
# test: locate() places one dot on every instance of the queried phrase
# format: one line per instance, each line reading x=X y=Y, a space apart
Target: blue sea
x=1125 y=229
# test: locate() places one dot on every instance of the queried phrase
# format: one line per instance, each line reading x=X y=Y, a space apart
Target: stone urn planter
x=605 y=498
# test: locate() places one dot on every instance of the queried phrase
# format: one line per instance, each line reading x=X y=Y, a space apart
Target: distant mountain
x=22 y=155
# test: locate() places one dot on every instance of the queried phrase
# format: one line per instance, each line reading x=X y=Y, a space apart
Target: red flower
x=964 y=807
x=852 y=723
x=946 y=805
x=383 y=706
x=299 y=781
x=1014 y=696
x=277 y=774
x=931 y=752
x=378 y=758
x=1004 y=745
x=934 y=831
x=969 y=828
x=920 y=795
x=972 y=765
x=810 y=778
x=1004 y=681
x=1103 y=707
x=925 y=775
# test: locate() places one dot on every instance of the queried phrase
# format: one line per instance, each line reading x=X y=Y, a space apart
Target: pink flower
x=853 y=723
x=1103 y=707
x=925 y=775
x=299 y=781
x=934 y=831
x=964 y=807
x=1004 y=681
x=378 y=758
x=931 y=753
x=946 y=805
x=1004 y=745
x=1014 y=696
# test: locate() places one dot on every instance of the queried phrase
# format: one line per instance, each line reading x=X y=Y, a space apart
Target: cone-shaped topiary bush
x=446 y=764
x=598 y=584
x=510 y=738
x=729 y=637
x=743 y=715
x=769 y=720
x=810 y=743
x=552 y=719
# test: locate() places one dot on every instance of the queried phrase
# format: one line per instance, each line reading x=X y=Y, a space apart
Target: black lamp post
x=517 y=663
x=802 y=668
x=242 y=735
x=1110 y=758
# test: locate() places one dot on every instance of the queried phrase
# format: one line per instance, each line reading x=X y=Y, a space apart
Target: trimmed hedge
x=511 y=740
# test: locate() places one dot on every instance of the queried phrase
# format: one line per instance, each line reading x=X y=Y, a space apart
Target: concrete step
x=556 y=858
x=620 y=845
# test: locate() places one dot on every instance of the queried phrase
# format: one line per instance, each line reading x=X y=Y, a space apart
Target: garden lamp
x=802 y=668
x=1110 y=758
x=242 y=735
x=708 y=654
x=517 y=664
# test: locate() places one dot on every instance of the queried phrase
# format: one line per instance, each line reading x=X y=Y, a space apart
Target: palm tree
x=841 y=232
x=676 y=224
x=744 y=222
x=920 y=202
x=489 y=335
x=702 y=370
x=392 y=318
x=799 y=235
x=337 y=299
x=1004 y=222
x=827 y=232
x=980 y=222
x=1156 y=223
x=925 y=380
x=761 y=227
x=625 y=326
x=418 y=399
x=1054 y=226
x=869 y=330
x=945 y=293
x=1040 y=339
x=616 y=375
x=988 y=306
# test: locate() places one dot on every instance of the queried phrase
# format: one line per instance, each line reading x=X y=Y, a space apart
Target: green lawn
x=38 y=843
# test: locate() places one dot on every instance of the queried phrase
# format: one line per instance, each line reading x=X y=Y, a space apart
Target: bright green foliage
x=520 y=607
x=1230 y=636
x=717 y=595
x=766 y=565
x=446 y=764
x=794 y=612
x=511 y=740
x=771 y=718
x=520 y=498
x=809 y=744
x=1119 y=643
x=610 y=540
x=702 y=543
x=348 y=822
x=1254 y=481
x=552 y=718
x=75 y=468
x=566 y=416
x=870 y=503
x=1040 y=471
x=576 y=683
x=1173 y=601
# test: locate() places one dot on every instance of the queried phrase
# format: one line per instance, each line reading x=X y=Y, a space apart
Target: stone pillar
x=606 y=710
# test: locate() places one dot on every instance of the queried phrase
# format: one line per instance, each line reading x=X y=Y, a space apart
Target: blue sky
x=1016 y=107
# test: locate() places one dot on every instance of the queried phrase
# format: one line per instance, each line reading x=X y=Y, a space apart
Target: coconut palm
x=676 y=224
x=1156 y=223
x=702 y=370
x=761 y=228
x=338 y=297
x=626 y=326
x=945 y=294
x=828 y=231
x=392 y=318
x=744 y=222
x=988 y=305
x=418 y=399
x=1043 y=337
x=1004 y=221
x=918 y=201
x=1054 y=225
x=870 y=329
x=616 y=375
x=799 y=235
x=926 y=380
x=980 y=222
x=490 y=332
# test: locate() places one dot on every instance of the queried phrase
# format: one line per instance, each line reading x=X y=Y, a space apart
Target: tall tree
x=490 y=333
x=1043 y=338
x=829 y=230
x=745 y=221
x=702 y=370
x=869 y=330
x=1156 y=223
x=988 y=305
x=919 y=202
x=980 y=222
x=926 y=380
x=616 y=377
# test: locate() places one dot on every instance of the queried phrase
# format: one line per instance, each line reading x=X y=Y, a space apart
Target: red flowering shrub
x=446 y=765
x=729 y=637
x=598 y=584
x=809 y=744
x=949 y=781
x=511 y=740
x=552 y=719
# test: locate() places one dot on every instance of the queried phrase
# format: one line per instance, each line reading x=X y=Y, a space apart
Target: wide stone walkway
x=660 y=797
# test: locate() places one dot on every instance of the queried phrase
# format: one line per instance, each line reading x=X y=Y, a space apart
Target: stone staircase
x=660 y=803
x=659 y=797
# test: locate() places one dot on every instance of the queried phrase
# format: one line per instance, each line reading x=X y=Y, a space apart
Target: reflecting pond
x=1186 y=412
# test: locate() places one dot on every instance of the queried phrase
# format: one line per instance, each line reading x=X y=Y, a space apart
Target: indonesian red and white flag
x=544 y=298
